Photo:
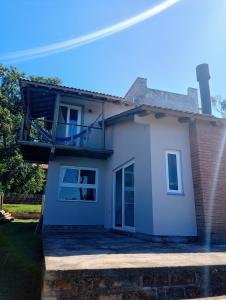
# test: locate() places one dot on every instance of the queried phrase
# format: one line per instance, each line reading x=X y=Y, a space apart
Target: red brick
x=207 y=147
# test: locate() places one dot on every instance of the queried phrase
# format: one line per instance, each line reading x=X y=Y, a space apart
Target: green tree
x=219 y=105
x=16 y=175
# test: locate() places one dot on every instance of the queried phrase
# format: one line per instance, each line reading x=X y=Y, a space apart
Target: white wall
x=139 y=93
x=58 y=212
x=131 y=141
x=96 y=108
x=145 y=141
x=91 y=110
x=172 y=214
x=80 y=213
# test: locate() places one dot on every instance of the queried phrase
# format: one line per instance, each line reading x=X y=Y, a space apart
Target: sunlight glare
x=88 y=38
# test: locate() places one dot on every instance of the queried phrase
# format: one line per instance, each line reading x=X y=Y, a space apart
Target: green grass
x=22 y=208
x=21 y=261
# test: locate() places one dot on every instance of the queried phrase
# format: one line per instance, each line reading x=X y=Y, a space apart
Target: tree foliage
x=219 y=105
x=16 y=175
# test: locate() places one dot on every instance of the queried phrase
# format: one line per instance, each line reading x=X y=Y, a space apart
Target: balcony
x=38 y=143
x=56 y=124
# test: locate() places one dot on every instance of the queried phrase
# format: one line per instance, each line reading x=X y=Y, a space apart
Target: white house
x=122 y=163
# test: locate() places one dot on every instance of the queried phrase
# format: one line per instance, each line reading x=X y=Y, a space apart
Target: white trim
x=122 y=167
x=179 y=172
x=78 y=185
x=69 y=107
x=127 y=163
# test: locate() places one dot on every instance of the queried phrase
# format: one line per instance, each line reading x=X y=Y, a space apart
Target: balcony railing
x=59 y=133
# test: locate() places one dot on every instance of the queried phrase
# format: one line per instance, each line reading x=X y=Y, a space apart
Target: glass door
x=124 y=198
x=129 y=196
x=68 y=120
x=72 y=128
x=118 y=198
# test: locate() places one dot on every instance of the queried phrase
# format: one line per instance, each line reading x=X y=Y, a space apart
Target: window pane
x=129 y=176
x=69 y=193
x=73 y=121
x=87 y=194
x=87 y=176
x=129 y=195
x=129 y=215
x=118 y=198
x=75 y=193
x=172 y=168
x=73 y=115
x=71 y=176
x=63 y=114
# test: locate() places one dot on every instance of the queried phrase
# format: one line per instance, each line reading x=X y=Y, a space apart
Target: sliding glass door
x=118 y=198
x=124 y=197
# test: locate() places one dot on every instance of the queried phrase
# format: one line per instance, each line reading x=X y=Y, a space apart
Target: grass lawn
x=21 y=261
x=22 y=208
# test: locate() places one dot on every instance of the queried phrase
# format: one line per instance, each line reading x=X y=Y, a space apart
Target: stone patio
x=99 y=264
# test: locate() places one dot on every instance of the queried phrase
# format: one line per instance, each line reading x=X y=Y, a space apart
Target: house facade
x=122 y=163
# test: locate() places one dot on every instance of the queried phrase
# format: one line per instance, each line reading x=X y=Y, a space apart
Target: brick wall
x=22 y=199
x=208 y=153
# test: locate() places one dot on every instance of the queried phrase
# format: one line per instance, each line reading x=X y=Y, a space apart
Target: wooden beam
x=213 y=123
x=22 y=130
x=103 y=126
x=184 y=119
x=34 y=103
x=55 y=116
x=73 y=94
x=40 y=99
x=160 y=115
x=144 y=113
x=42 y=104
x=52 y=152
x=40 y=151
x=27 y=118
x=41 y=110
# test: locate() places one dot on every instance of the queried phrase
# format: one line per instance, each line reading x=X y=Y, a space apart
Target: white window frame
x=179 y=172
x=78 y=185
x=69 y=107
x=124 y=227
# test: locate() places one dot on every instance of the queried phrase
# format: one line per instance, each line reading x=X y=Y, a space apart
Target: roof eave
x=153 y=110
x=25 y=83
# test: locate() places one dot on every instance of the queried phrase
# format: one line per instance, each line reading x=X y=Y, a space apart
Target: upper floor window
x=78 y=184
x=173 y=172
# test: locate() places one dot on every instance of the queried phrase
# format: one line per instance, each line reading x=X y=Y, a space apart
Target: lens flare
x=209 y=219
x=88 y=38
x=214 y=183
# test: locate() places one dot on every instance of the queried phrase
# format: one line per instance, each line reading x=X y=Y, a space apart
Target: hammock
x=47 y=137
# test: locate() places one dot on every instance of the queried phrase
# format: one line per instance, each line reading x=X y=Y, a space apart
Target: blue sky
x=165 y=48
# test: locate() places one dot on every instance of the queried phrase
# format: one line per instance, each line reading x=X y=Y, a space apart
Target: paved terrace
x=85 y=250
x=128 y=262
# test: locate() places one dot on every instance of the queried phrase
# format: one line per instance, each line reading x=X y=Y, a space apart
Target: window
x=78 y=184
x=173 y=172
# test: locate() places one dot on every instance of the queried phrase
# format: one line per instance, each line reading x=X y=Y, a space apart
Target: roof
x=91 y=95
x=26 y=83
x=145 y=109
